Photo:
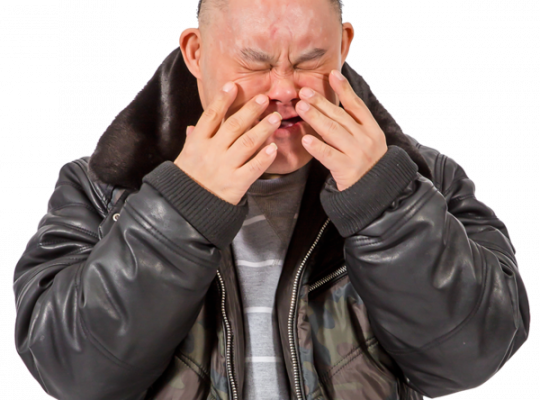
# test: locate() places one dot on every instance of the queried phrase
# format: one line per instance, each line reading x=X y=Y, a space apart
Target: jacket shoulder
x=75 y=174
x=445 y=169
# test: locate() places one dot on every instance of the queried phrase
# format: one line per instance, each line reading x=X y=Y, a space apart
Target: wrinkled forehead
x=273 y=24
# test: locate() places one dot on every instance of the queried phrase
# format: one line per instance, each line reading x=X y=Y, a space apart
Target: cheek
x=249 y=87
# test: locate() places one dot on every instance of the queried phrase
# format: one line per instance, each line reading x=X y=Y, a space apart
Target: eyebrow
x=258 y=56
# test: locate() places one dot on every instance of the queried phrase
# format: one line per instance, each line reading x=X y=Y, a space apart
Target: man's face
x=274 y=47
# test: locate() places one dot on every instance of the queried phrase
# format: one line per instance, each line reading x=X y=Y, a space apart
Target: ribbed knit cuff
x=216 y=219
x=357 y=206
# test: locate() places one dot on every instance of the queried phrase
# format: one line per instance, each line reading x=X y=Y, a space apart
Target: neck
x=266 y=175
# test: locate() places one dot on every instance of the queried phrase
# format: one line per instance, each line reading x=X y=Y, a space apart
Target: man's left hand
x=353 y=140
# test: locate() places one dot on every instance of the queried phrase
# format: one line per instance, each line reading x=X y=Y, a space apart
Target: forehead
x=265 y=24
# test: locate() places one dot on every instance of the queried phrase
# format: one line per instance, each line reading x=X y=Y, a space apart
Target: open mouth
x=286 y=123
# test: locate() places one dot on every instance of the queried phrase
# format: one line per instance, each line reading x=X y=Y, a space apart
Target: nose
x=283 y=88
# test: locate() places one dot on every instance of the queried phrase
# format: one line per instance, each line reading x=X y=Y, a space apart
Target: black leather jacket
x=128 y=290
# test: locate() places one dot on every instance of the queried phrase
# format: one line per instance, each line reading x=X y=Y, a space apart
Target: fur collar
x=152 y=128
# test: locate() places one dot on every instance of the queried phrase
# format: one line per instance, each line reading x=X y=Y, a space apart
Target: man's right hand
x=215 y=152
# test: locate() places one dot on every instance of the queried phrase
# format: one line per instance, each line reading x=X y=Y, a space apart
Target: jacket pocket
x=188 y=374
x=358 y=376
x=347 y=356
x=180 y=381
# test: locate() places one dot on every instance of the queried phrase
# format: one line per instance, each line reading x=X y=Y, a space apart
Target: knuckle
x=190 y=148
x=247 y=141
x=355 y=98
x=341 y=113
x=370 y=142
x=234 y=123
x=326 y=152
x=331 y=127
x=211 y=114
x=255 y=166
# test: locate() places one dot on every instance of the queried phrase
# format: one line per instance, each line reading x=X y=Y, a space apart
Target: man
x=148 y=279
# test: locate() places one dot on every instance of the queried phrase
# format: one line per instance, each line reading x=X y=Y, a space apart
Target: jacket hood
x=152 y=128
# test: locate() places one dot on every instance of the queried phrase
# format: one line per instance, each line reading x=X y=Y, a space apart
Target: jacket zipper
x=228 y=356
x=292 y=316
x=328 y=278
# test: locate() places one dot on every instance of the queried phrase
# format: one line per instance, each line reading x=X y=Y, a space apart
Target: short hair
x=204 y=4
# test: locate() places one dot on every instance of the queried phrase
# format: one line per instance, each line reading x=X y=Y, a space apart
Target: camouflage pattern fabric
x=339 y=356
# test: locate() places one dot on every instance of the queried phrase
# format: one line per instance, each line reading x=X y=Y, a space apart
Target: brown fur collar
x=152 y=128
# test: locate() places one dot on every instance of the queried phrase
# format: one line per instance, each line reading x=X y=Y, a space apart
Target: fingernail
x=303 y=106
x=338 y=75
x=307 y=92
x=228 y=87
x=272 y=148
x=274 y=118
x=260 y=99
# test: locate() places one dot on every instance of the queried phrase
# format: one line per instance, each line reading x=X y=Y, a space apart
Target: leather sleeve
x=100 y=319
x=438 y=274
x=434 y=265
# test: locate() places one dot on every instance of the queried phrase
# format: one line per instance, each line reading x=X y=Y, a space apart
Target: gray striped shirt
x=259 y=250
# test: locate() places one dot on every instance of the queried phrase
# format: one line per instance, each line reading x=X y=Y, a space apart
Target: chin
x=291 y=153
x=289 y=161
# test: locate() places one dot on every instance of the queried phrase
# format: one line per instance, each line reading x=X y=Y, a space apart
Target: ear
x=346 y=39
x=190 y=45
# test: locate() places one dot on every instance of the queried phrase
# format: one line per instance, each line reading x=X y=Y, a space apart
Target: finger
x=212 y=117
x=329 y=109
x=350 y=101
x=328 y=156
x=331 y=131
x=189 y=129
x=255 y=167
x=241 y=121
x=245 y=146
